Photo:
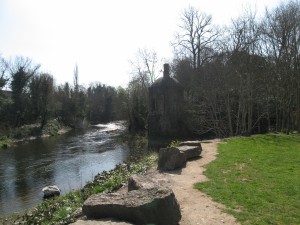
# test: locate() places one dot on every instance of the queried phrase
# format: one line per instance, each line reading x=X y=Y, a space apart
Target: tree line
x=31 y=96
x=239 y=80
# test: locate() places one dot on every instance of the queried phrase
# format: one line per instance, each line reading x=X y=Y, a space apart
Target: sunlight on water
x=111 y=126
x=68 y=161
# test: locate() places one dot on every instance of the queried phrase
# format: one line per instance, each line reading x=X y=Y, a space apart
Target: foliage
x=52 y=128
x=239 y=80
x=138 y=104
x=106 y=103
x=33 y=99
x=62 y=210
x=5 y=143
x=138 y=145
x=144 y=70
x=3 y=80
x=174 y=143
x=21 y=72
x=41 y=91
x=244 y=81
x=257 y=178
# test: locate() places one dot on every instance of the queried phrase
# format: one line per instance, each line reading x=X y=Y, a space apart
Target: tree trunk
x=229 y=114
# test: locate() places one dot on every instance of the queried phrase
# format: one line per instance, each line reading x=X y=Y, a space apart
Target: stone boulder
x=192 y=143
x=190 y=151
x=171 y=158
x=136 y=182
x=108 y=221
x=51 y=191
x=144 y=206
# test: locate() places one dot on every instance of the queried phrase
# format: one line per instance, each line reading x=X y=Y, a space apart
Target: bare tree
x=75 y=80
x=3 y=72
x=146 y=67
x=242 y=50
x=281 y=29
x=3 y=82
x=195 y=36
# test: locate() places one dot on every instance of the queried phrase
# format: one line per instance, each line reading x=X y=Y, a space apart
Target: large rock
x=144 y=206
x=51 y=191
x=171 y=158
x=109 y=221
x=190 y=151
x=191 y=143
x=136 y=182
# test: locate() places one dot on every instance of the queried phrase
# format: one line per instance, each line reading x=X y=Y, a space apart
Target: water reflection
x=68 y=161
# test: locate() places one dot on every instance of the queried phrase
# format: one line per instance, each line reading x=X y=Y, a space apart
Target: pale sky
x=101 y=36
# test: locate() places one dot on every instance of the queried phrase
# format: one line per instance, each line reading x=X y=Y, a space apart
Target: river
x=68 y=160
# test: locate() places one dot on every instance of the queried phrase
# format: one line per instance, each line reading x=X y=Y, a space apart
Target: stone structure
x=146 y=182
x=165 y=109
x=146 y=203
x=176 y=157
x=171 y=159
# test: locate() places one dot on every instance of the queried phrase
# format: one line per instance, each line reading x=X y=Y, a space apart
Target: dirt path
x=196 y=207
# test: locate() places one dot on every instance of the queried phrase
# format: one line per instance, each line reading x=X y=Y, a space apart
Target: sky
x=101 y=37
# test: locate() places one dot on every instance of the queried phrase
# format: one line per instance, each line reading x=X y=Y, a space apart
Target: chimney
x=166 y=70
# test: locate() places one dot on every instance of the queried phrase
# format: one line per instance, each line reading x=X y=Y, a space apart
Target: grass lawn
x=257 y=178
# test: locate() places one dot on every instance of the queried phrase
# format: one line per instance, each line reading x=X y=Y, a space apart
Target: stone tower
x=165 y=109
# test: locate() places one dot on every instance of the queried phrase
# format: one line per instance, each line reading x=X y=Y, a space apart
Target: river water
x=68 y=160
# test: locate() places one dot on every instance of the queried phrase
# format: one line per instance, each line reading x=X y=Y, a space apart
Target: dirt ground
x=196 y=207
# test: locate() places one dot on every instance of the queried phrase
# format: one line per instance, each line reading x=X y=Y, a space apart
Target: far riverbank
x=31 y=132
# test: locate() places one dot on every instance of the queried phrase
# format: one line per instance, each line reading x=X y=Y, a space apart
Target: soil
x=196 y=207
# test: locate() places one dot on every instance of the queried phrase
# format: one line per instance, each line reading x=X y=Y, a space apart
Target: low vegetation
x=64 y=209
x=5 y=143
x=52 y=128
x=257 y=178
x=174 y=143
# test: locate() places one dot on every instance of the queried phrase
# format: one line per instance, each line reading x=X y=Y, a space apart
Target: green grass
x=9 y=136
x=257 y=178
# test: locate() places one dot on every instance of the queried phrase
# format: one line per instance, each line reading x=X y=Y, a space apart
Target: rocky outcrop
x=175 y=157
x=148 y=201
x=154 y=205
x=191 y=143
x=190 y=151
x=136 y=182
x=51 y=191
x=196 y=152
x=171 y=158
x=109 y=221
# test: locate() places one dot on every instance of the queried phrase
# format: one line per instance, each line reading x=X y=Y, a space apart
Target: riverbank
x=31 y=132
x=68 y=160
x=65 y=209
